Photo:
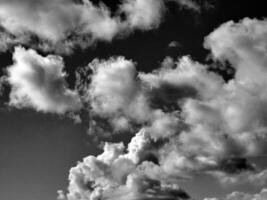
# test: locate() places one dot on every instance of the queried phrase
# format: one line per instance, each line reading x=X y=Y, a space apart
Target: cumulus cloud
x=243 y=45
x=229 y=119
x=58 y=24
x=99 y=177
x=191 y=120
x=62 y=25
x=114 y=92
x=144 y=14
x=39 y=82
x=119 y=93
x=231 y=124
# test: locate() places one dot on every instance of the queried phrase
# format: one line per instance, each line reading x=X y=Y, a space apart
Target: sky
x=133 y=99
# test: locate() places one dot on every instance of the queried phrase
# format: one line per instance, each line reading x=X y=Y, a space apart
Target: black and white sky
x=133 y=100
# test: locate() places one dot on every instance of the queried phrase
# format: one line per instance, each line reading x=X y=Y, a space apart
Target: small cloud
x=188 y=4
x=61 y=195
x=174 y=44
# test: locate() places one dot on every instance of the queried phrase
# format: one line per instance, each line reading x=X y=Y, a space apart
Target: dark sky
x=37 y=150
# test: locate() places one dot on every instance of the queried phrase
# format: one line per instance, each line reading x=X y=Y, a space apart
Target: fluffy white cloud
x=191 y=107
x=37 y=17
x=115 y=92
x=113 y=85
x=144 y=14
x=232 y=123
x=184 y=79
x=193 y=122
x=243 y=44
x=99 y=177
x=56 y=23
x=61 y=25
x=118 y=93
x=39 y=82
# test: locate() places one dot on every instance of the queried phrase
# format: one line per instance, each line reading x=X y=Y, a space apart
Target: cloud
x=99 y=177
x=190 y=107
x=243 y=196
x=143 y=14
x=230 y=124
x=118 y=93
x=243 y=45
x=196 y=6
x=188 y=4
x=63 y=25
x=174 y=44
x=39 y=82
x=190 y=120
x=55 y=23
x=114 y=92
x=6 y=41
x=113 y=85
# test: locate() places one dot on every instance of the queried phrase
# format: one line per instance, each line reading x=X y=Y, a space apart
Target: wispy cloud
x=188 y=4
